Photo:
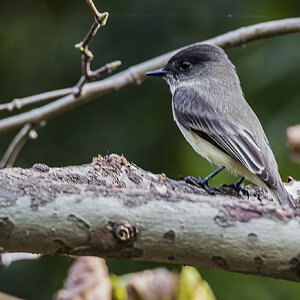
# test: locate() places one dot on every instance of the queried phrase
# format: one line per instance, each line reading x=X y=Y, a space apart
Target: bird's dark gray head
x=195 y=63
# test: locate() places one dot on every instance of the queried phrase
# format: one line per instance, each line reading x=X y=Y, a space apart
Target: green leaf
x=118 y=288
x=192 y=287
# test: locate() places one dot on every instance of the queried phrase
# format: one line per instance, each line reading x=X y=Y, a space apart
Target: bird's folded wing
x=196 y=114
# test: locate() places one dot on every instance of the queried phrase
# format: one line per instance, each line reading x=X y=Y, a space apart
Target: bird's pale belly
x=218 y=157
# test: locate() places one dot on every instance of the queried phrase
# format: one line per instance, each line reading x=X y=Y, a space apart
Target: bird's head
x=195 y=63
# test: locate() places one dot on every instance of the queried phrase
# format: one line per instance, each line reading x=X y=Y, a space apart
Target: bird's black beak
x=158 y=72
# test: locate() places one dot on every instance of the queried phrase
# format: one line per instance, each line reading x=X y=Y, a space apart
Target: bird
x=211 y=112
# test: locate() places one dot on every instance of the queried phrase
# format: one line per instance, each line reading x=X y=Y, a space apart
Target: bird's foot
x=199 y=182
x=237 y=186
x=204 y=182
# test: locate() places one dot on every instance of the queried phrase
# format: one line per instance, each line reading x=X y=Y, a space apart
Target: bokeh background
x=37 y=54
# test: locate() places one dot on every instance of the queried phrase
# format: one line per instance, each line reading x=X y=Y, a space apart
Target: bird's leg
x=237 y=186
x=204 y=182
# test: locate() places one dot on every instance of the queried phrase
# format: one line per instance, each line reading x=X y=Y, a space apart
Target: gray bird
x=210 y=110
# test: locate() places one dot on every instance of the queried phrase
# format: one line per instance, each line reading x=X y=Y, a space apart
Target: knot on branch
x=115 y=239
x=124 y=232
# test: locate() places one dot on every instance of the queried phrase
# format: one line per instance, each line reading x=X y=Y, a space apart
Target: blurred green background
x=37 y=54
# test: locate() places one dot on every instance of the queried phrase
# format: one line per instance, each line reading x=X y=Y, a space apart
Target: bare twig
x=87 y=56
x=88 y=75
x=16 y=145
x=135 y=74
x=100 y=20
x=18 y=103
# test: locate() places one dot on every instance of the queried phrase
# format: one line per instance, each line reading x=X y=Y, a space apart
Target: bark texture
x=112 y=208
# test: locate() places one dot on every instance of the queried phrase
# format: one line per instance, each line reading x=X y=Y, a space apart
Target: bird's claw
x=199 y=182
x=237 y=187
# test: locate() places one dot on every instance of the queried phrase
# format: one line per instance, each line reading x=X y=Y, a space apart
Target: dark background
x=37 y=54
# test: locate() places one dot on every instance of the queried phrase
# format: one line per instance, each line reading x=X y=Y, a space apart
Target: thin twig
x=87 y=56
x=19 y=103
x=16 y=145
x=135 y=74
x=94 y=9
x=100 y=20
x=88 y=75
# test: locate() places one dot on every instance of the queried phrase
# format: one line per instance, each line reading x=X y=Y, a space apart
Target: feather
x=195 y=113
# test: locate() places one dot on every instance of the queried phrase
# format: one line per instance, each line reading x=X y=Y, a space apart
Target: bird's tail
x=281 y=196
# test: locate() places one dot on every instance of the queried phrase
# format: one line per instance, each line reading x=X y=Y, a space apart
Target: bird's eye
x=185 y=65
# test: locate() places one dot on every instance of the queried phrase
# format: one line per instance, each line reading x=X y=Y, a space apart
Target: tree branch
x=19 y=103
x=16 y=145
x=112 y=208
x=87 y=56
x=136 y=74
x=87 y=75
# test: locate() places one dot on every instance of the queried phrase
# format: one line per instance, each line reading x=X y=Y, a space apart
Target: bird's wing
x=195 y=113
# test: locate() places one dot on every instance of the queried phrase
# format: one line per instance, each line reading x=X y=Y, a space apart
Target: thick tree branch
x=112 y=208
x=135 y=74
